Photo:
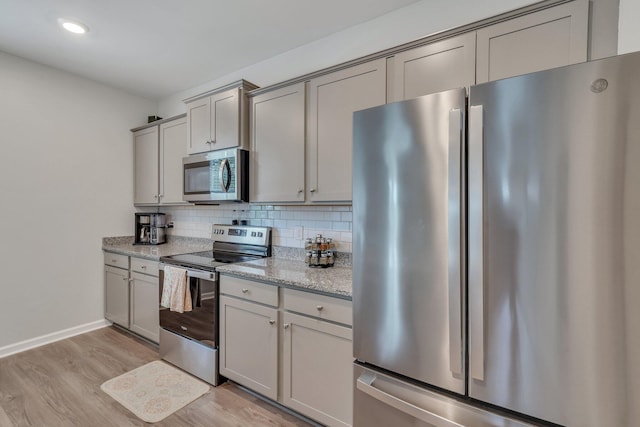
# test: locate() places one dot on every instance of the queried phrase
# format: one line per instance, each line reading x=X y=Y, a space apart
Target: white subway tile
x=342 y=226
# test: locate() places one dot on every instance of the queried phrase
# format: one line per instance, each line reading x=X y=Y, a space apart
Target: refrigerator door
x=554 y=243
x=407 y=237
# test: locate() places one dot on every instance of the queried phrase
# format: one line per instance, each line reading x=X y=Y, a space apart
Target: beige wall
x=66 y=181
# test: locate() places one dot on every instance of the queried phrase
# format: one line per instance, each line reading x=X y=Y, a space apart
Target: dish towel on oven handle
x=176 y=295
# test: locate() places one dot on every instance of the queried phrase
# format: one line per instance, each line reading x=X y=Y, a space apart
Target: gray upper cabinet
x=333 y=98
x=435 y=67
x=145 y=154
x=158 y=153
x=173 y=147
x=541 y=40
x=277 y=139
x=218 y=120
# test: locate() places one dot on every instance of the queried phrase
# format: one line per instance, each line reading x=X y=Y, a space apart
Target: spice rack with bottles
x=320 y=252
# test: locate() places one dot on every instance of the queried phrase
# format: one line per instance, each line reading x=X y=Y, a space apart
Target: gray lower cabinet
x=249 y=345
x=116 y=286
x=145 y=300
x=132 y=294
x=318 y=369
x=291 y=346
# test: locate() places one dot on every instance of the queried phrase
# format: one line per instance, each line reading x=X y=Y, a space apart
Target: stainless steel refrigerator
x=496 y=253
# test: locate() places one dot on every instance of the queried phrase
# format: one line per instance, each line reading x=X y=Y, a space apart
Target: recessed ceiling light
x=73 y=26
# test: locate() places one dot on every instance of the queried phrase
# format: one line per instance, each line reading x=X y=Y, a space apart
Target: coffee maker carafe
x=149 y=229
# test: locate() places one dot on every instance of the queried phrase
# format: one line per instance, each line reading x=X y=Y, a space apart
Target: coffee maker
x=149 y=229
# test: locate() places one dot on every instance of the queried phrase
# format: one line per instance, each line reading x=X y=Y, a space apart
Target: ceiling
x=155 y=48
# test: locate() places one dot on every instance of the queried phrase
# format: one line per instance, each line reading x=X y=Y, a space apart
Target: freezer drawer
x=381 y=401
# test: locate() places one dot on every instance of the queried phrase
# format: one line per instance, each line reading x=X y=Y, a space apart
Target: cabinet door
x=173 y=147
x=332 y=100
x=116 y=295
x=439 y=66
x=318 y=369
x=277 y=145
x=145 y=303
x=225 y=119
x=546 y=39
x=199 y=125
x=145 y=153
x=249 y=345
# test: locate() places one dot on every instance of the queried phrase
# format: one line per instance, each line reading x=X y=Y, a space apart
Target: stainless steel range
x=189 y=340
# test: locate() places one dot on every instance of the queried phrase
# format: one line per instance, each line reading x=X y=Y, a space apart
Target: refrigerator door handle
x=365 y=383
x=453 y=234
x=476 y=244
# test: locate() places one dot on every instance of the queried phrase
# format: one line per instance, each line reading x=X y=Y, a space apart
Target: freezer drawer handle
x=365 y=385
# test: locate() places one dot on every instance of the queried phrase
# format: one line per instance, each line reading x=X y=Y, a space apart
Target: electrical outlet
x=298 y=233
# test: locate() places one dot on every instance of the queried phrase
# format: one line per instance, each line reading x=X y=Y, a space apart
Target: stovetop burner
x=233 y=243
x=207 y=259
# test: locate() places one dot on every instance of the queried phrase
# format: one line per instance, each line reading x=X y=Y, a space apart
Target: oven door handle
x=204 y=275
x=198 y=274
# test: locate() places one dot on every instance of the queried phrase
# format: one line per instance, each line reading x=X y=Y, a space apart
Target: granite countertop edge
x=176 y=245
x=333 y=281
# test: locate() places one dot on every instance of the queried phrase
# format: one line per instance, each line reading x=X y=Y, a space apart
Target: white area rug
x=155 y=390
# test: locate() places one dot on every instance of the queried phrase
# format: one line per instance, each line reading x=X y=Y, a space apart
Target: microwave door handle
x=225 y=171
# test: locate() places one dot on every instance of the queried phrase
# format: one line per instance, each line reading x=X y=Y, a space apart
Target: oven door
x=216 y=176
x=200 y=324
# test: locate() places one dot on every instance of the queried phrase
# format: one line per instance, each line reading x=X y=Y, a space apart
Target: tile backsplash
x=291 y=224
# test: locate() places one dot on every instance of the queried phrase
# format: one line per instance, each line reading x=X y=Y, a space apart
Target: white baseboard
x=52 y=337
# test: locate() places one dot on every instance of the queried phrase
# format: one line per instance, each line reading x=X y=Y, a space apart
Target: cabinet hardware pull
x=300 y=191
x=272 y=322
x=144 y=266
x=313 y=190
x=125 y=279
x=286 y=326
x=244 y=291
x=319 y=307
x=113 y=260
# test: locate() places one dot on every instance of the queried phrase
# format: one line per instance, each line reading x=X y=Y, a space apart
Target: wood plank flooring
x=58 y=385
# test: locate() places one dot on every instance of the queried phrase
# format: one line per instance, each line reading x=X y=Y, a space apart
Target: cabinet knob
x=144 y=267
x=272 y=322
x=244 y=291
x=113 y=260
x=213 y=141
x=155 y=196
x=125 y=279
x=285 y=326
x=301 y=190
x=313 y=190
x=319 y=307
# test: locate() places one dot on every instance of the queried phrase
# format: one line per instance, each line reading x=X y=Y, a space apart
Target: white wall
x=628 y=29
x=66 y=174
x=403 y=25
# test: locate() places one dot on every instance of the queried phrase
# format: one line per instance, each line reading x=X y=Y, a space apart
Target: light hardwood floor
x=58 y=385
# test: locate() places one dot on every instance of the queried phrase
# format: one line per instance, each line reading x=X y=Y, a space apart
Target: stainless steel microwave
x=216 y=176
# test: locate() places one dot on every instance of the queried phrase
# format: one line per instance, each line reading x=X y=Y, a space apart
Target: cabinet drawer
x=249 y=290
x=145 y=266
x=116 y=260
x=324 y=307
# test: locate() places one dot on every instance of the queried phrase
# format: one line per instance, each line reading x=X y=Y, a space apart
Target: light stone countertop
x=332 y=281
x=280 y=269
x=175 y=245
